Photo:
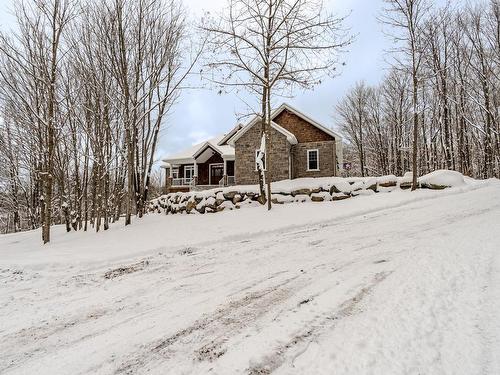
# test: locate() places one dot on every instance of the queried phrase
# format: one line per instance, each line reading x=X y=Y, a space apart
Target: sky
x=203 y=113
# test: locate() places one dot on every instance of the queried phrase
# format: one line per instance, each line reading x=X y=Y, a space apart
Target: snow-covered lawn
x=399 y=283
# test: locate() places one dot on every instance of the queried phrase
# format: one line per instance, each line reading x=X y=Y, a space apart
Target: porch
x=201 y=176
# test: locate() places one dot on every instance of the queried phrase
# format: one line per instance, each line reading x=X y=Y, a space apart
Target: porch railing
x=182 y=181
x=230 y=181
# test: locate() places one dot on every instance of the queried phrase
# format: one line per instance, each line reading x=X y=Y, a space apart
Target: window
x=175 y=172
x=312 y=160
x=263 y=160
x=189 y=172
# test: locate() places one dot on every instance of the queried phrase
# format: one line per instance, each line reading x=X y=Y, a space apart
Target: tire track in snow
x=327 y=323
x=217 y=327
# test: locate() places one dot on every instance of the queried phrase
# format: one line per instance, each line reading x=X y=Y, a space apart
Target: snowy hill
x=399 y=283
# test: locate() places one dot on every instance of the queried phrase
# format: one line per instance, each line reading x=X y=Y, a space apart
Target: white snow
x=443 y=178
x=399 y=283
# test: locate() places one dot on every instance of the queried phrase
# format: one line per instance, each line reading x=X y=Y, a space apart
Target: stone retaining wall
x=236 y=197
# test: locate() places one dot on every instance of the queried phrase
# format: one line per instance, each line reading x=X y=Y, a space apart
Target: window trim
x=175 y=172
x=210 y=171
x=189 y=168
x=265 y=160
x=317 y=159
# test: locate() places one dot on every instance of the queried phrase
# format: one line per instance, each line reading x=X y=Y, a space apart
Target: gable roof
x=229 y=135
x=289 y=136
x=276 y=112
x=189 y=154
x=305 y=117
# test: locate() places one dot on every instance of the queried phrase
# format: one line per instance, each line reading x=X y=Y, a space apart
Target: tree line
x=440 y=96
x=84 y=90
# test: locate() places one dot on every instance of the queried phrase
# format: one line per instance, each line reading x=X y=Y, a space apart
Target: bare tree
x=406 y=17
x=270 y=47
x=33 y=62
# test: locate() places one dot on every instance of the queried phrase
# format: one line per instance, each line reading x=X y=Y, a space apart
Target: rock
x=340 y=196
x=302 y=198
x=191 y=205
x=387 y=181
x=230 y=195
x=218 y=202
x=237 y=198
x=201 y=209
x=426 y=185
x=388 y=184
x=334 y=190
x=281 y=198
x=301 y=192
x=262 y=199
x=276 y=201
x=405 y=185
x=320 y=197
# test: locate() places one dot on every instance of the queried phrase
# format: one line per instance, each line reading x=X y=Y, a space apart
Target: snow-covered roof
x=189 y=154
x=224 y=143
x=291 y=137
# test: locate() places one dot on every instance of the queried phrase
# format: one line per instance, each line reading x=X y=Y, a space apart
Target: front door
x=216 y=173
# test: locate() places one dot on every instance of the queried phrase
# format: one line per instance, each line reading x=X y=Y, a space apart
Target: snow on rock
x=322 y=189
x=441 y=179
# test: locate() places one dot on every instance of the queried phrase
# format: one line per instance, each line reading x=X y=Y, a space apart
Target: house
x=300 y=147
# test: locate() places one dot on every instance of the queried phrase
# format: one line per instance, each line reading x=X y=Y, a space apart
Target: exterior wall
x=303 y=130
x=245 y=147
x=203 y=169
x=327 y=161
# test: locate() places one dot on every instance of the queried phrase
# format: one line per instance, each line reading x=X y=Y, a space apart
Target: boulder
x=405 y=185
x=191 y=205
x=261 y=199
x=302 y=198
x=334 y=190
x=281 y=198
x=320 y=197
x=301 y=192
x=237 y=198
x=230 y=195
x=427 y=185
x=340 y=196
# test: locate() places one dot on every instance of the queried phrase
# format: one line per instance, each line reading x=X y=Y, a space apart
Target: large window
x=189 y=172
x=263 y=160
x=312 y=160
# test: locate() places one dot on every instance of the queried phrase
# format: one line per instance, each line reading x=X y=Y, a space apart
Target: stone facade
x=283 y=155
x=245 y=148
x=326 y=155
x=303 y=130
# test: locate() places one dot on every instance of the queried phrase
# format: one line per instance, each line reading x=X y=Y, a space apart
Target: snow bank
x=441 y=179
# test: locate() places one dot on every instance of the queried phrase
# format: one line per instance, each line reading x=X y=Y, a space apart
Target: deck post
x=195 y=177
x=225 y=172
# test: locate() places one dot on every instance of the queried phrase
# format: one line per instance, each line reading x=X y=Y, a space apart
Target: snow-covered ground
x=399 y=283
